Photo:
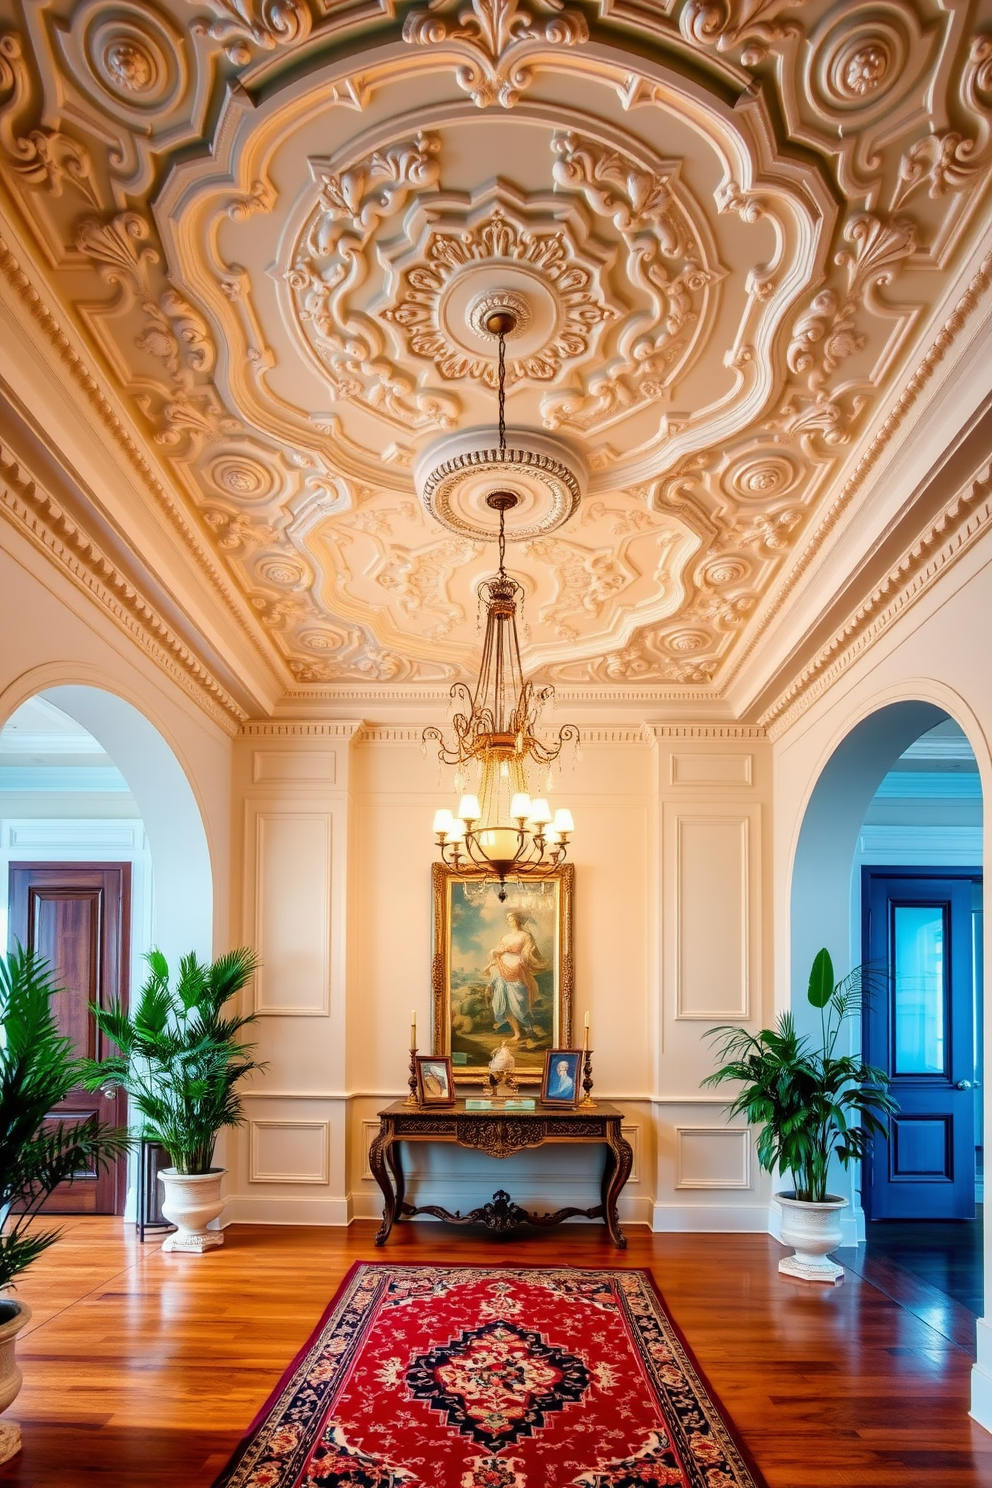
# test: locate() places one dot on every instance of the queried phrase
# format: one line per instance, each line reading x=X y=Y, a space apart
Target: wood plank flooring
x=142 y=1370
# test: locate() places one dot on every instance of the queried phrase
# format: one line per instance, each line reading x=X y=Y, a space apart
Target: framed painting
x=435 y=1087
x=562 y=1073
x=501 y=973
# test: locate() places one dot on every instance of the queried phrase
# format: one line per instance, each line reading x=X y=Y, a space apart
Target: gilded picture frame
x=501 y=972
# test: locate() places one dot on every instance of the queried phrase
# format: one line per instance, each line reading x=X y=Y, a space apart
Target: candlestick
x=587 y=1099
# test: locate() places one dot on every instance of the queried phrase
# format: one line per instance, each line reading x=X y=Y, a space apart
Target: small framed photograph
x=435 y=1086
x=561 y=1086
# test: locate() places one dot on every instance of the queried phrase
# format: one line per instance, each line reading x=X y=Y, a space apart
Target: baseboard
x=981 y=1377
x=291 y=1210
x=747 y=1219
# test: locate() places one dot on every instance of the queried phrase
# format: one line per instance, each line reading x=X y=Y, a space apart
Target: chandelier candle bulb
x=443 y=822
x=540 y=813
x=520 y=807
x=563 y=822
x=469 y=809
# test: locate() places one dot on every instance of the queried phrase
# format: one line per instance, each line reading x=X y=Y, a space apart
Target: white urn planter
x=190 y=1202
x=13 y=1316
x=813 y=1230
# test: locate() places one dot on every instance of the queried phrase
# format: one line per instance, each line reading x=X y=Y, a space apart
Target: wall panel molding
x=290 y=907
x=275 y=1157
x=712 y=1157
x=711 y=877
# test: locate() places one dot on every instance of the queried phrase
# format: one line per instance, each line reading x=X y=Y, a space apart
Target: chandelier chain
x=502 y=393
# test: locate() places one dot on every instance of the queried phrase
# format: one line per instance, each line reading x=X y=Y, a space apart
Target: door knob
x=109 y=1092
x=963 y=1085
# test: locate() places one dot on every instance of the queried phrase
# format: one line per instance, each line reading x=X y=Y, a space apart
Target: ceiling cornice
x=64 y=539
x=111 y=421
x=961 y=521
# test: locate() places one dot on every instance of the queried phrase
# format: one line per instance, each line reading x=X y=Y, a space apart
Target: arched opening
x=888 y=872
x=103 y=854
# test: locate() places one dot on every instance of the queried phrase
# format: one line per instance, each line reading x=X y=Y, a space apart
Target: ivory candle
x=413 y=1028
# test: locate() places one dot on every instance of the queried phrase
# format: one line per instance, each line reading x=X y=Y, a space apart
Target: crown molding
x=263 y=729
x=36 y=513
x=753 y=732
x=31 y=299
x=917 y=383
x=955 y=529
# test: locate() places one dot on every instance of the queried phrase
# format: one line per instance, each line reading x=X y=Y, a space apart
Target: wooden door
x=78 y=915
x=920 y=1028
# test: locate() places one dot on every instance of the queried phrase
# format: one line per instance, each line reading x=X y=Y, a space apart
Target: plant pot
x=13 y=1316
x=813 y=1230
x=190 y=1202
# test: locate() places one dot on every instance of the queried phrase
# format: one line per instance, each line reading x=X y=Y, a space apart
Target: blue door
x=920 y=1027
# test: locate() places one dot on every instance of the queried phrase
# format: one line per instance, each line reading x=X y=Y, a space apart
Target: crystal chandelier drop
x=500 y=831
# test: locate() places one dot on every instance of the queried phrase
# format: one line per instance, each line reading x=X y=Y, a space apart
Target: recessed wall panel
x=712 y=955
x=292 y=912
x=288 y=1151
x=299 y=767
x=710 y=769
x=713 y=1157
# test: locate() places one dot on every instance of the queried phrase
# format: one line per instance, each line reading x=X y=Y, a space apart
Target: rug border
x=729 y=1424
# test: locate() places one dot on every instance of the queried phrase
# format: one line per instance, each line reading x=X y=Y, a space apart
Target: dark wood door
x=78 y=915
x=917 y=925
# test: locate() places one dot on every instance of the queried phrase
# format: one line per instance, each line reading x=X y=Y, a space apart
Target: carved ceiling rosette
x=721 y=272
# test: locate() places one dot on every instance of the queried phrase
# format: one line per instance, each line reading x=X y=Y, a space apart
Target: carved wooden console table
x=500 y=1133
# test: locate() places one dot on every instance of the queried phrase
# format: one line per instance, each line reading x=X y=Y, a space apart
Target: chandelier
x=500 y=831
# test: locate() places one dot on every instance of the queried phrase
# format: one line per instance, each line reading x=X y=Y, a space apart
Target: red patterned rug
x=471 y=1377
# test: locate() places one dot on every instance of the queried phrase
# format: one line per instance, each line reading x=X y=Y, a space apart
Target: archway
x=182 y=901
x=831 y=852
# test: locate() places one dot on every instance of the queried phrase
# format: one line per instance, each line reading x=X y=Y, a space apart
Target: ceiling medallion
x=455 y=474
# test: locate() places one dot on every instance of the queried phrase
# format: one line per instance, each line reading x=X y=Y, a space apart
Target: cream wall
x=672 y=887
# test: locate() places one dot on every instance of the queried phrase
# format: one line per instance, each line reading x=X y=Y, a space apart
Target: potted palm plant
x=181 y=1058
x=810 y=1104
x=38 y=1069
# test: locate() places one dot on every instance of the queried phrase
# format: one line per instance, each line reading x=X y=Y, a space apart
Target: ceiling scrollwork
x=281 y=251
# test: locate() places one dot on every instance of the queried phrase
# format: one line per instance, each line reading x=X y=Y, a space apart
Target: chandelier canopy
x=500 y=830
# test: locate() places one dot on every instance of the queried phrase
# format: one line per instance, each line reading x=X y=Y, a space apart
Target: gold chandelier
x=500 y=831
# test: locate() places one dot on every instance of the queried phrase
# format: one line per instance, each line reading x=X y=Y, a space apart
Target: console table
x=500 y=1133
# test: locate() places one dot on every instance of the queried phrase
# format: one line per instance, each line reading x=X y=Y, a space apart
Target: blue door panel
x=919 y=1027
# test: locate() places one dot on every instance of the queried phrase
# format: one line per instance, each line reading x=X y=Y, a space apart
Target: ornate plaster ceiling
x=729 y=226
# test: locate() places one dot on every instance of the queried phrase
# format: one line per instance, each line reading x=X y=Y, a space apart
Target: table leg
x=379 y=1162
x=394 y=1161
x=616 y=1171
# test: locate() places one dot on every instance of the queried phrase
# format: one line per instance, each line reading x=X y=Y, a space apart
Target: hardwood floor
x=142 y=1370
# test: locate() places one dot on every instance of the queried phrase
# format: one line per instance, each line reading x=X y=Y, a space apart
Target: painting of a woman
x=512 y=965
x=497 y=970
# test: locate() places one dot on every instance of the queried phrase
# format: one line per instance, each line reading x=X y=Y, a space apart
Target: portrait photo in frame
x=435 y=1086
x=501 y=972
x=561 y=1085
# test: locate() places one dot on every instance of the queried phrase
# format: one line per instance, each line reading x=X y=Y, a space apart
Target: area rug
x=422 y=1376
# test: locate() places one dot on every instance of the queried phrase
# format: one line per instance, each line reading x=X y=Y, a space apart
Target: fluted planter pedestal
x=813 y=1230
x=13 y=1316
x=191 y=1201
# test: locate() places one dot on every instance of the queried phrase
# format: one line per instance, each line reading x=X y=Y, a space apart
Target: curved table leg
x=616 y=1171
x=380 y=1163
x=394 y=1161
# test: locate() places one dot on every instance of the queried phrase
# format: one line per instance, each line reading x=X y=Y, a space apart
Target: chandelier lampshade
x=500 y=830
